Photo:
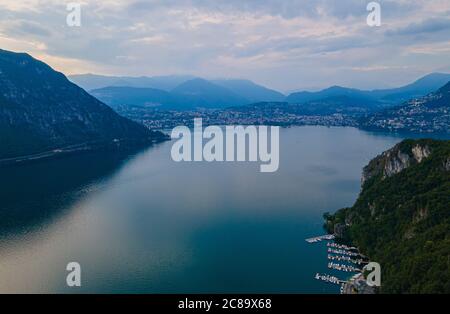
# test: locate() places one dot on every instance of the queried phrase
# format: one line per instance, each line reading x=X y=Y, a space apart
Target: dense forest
x=401 y=218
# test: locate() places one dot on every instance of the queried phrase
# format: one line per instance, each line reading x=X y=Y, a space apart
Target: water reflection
x=32 y=194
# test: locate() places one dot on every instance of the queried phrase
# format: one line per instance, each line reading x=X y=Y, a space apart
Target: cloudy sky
x=283 y=44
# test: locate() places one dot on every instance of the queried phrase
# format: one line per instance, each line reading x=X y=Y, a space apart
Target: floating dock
x=329 y=279
x=326 y=237
x=341 y=246
x=343 y=267
x=342 y=252
x=347 y=259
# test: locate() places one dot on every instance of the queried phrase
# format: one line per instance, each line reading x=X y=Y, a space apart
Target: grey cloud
x=432 y=25
x=28 y=28
x=285 y=8
x=285 y=56
x=309 y=44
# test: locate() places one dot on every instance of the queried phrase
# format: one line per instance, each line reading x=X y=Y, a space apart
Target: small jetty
x=343 y=252
x=341 y=246
x=347 y=259
x=329 y=279
x=326 y=237
x=343 y=267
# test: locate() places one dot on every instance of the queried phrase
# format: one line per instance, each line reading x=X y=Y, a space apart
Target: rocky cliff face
x=40 y=110
x=395 y=160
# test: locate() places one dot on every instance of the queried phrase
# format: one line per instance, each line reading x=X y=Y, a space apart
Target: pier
x=343 y=267
x=341 y=246
x=326 y=237
x=343 y=252
x=347 y=259
x=329 y=279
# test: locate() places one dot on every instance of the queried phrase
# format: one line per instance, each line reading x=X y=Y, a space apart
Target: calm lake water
x=144 y=223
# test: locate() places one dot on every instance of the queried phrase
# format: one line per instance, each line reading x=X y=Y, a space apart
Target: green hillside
x=401 y=218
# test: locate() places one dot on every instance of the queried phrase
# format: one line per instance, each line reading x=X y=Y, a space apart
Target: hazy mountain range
x=174 y=92
x=420 y=87
x=93 y=81
x=187 y=92
x=42 y=112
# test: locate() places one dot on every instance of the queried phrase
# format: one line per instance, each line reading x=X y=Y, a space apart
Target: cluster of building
x=425 y=115
x=168 y=119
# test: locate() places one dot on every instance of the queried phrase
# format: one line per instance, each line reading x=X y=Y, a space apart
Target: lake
x=142 y=223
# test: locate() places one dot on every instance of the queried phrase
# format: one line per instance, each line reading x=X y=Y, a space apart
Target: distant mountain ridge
x=205 y=94
x=182 y=92
x=189 y=92
x=116 y=96
x=421 y=87
x=93 y=81
x=41 y=112
x=333 y=91
x=250 y=91
x=387 y=97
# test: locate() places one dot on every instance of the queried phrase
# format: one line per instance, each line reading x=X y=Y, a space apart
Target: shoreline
x=115 y=145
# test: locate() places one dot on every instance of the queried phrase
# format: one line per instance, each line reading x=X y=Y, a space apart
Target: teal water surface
x=145 y=224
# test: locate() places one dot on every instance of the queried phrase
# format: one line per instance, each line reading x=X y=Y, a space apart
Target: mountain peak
x=41 y=111
x=196 y=82
x=14 y=54
x=203 y=93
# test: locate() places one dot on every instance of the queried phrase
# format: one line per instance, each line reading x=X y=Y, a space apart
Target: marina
x=345 y=259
